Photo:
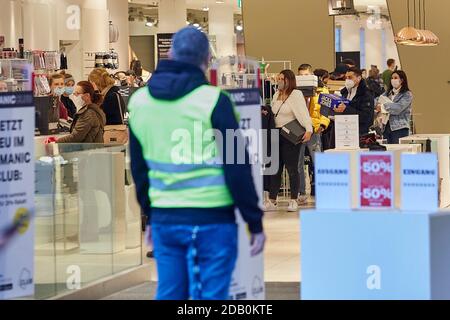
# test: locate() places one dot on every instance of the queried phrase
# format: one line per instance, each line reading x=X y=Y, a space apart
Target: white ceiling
x=192 y=4
x=362 y=4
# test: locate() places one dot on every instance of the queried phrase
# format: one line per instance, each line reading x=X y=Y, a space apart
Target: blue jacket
x=173 y=80
x=400 y=111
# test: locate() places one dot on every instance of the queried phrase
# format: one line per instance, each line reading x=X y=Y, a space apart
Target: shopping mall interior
x=88 y=231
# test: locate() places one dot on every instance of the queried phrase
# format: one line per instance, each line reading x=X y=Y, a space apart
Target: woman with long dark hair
x=288 y=105
x=398 y=108
x=89 y=122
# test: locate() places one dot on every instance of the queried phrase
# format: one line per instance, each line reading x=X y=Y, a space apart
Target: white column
x=39 y=25
x=172 y=15
x=94 y=26
x=374 y=48
x=117 y=10
x=221 y=25
x=350 y=33
x=11 y=22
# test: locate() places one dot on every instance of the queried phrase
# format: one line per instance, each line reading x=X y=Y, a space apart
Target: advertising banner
x=164 y=43
x=17 y=117
x=248 y=278
x=376 y=180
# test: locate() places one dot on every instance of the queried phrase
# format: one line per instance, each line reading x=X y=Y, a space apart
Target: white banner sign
x=17 y=123
x=248 y=278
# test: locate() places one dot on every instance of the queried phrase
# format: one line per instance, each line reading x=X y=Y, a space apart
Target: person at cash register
x=58 y=110
x=361 y=100
x=69 y=87
x=89 y=122
x=3 y=86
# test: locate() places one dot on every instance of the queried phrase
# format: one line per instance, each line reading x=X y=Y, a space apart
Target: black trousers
x=289 y=157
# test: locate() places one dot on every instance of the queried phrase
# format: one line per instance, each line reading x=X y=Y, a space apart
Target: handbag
x=293 y=131
x=116 y=134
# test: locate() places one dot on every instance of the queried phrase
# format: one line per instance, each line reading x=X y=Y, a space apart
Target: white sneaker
x=270 y=206
x=302 y=200
x=293 y=206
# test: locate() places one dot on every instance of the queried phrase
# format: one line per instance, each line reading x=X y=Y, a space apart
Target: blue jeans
x=195 y=262
x=393 y=137
x=314 y=145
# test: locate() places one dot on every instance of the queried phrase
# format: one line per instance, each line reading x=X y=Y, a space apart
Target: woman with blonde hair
x=113 y=104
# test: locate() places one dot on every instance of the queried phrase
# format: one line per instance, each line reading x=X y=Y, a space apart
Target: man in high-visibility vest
x=186 y=183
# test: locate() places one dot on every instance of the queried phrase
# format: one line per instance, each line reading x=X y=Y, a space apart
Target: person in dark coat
x=362 y=102
x=113 y=103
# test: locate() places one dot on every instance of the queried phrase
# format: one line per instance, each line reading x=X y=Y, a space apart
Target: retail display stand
x=358 y=253
x=370 y=255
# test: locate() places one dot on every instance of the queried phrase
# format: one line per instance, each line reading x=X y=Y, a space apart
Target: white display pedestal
x=364 y=255
x=440 y=144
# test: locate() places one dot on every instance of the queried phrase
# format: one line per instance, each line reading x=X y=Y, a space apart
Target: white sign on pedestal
x=347 y=131
x=248 y=278
x=17 y=122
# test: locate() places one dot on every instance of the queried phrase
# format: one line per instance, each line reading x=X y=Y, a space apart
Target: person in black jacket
x=374 y=83
x=362 y=102
x=113 y=103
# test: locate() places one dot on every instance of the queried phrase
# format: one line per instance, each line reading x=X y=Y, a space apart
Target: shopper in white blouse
x=288 y=105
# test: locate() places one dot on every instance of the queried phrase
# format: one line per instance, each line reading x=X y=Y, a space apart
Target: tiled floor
x=282 y=260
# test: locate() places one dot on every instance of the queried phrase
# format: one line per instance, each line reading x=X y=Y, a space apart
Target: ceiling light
x=205 y=8
x=196 y=25
x=149 y=24
x=239 y=27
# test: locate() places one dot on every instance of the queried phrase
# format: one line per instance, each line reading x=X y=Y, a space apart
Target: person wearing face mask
x=288 y=105
x=361 y=100
x=57 y=87
x=191 y=197
x=69 y=83
x=320 y=124
x=398 y=108
x=3 y=87
x=89 y=122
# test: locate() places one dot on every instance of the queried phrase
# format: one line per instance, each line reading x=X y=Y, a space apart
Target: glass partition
x=88 y=222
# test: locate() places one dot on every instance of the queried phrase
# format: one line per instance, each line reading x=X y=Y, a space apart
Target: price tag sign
x=376 y=180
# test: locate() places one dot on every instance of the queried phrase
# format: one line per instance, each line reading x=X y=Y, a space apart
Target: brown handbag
x=116 y=134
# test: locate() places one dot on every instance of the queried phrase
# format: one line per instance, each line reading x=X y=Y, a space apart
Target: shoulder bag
x=116 y=134
x=293 y=131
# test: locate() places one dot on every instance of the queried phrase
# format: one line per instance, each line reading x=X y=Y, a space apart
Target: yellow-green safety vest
x=184 y=168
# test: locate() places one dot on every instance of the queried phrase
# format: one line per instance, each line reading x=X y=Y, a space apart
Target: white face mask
x=396 y=83
x=349 y=84
x=78 y=101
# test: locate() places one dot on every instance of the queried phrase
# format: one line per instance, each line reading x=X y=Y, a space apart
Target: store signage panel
x=164 y=44
x=333 y=181
x=17 y=117
x=376 y=181
x=419 y=182
x=248 y=277
x=347 y=131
